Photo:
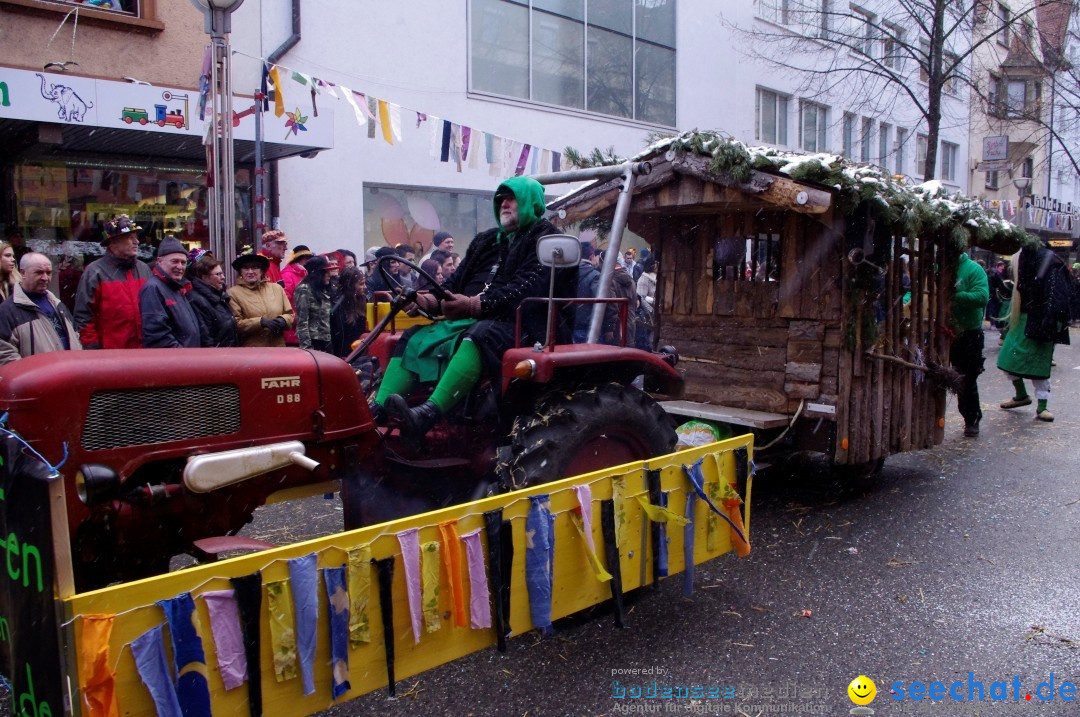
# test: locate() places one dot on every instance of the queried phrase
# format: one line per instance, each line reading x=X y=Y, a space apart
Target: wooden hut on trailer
x=805 y=296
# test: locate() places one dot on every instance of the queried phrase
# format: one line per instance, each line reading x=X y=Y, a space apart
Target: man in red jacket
x=107 y=302
x=274 y=246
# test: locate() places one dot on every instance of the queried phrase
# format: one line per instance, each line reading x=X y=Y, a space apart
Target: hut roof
x=780 y=177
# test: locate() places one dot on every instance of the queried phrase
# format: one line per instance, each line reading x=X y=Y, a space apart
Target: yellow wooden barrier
x=575 y=587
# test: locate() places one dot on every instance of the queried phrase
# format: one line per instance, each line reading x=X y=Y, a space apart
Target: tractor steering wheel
x=402 y=297
x=440 y=293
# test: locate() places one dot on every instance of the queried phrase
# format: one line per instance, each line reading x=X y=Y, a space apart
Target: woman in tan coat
x=262 y=310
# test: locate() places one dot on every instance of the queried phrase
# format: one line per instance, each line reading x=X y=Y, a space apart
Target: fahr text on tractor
x=172 y=451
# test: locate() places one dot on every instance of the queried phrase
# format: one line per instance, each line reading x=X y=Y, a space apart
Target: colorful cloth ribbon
x=384 y=570
x=97 y=681
x=304 y=576
x=614 y=562
x=697 y=478
x=359 y=595
x=338 y=599
x=479 y=596
x=153 y=667
x=228 y=637
x=282 y=634
x=500 y=563
x=590 y=552
x=409 y=540
x=192 y=688
x=660 y=513
x=430 y=565
x=451 y=552
x=249 y=602
x=540 y=560
x=384 y=122
x=279 y=96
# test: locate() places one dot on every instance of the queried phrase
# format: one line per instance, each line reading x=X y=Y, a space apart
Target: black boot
x=416 y=422
x=378 y=413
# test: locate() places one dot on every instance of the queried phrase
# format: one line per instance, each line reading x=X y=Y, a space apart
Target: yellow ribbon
x=618 y=497
x=430 y=565
x=282 y=635
x=359 y=593
x=661 y=515
x=384 y=121
x=598 y=570
x=279 y=96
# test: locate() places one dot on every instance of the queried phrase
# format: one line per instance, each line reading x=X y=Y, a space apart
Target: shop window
x=401 y=215
x=129 y=6
x=751 y=258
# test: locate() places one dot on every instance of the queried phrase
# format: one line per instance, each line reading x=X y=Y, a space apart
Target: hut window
x=747 y=258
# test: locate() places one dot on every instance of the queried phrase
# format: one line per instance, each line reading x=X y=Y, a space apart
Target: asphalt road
x=958 y=560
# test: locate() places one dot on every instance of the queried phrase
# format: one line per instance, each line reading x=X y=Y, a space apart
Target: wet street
x=958 y=560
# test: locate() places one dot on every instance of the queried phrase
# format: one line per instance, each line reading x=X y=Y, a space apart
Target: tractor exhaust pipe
x=211 y=471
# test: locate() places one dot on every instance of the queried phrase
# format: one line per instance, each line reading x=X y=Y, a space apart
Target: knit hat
x=170 y=245
x=195 y=254
x=438 y=239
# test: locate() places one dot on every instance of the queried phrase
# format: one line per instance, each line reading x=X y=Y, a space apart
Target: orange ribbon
x=96 y=680
x=452 y=565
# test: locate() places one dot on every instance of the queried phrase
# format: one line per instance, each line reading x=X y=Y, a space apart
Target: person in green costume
x=500 y=269
x=1039 y=319
x=970 y=294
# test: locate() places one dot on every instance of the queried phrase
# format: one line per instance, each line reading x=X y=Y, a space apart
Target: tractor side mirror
x=558 y=250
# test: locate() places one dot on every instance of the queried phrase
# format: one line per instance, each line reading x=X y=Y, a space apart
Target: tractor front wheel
x=585 y=430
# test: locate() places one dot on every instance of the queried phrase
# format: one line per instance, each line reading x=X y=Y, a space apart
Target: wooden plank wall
x=882 y=408
x=758 y=345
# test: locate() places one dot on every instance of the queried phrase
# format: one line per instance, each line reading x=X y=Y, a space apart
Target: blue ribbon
x=337 y=595
x=191 y=687
x=540 y=561
x=304 y=578
x=697 y=479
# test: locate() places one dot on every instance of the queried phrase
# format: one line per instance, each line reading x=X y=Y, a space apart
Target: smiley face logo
x=862 y=690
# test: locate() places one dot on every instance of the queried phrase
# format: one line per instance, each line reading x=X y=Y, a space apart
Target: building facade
x=547 y=74
x=1023 y=126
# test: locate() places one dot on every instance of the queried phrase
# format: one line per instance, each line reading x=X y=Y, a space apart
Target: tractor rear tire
x=582 y=431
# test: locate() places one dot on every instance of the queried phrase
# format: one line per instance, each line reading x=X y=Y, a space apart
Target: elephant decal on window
x=72 y=107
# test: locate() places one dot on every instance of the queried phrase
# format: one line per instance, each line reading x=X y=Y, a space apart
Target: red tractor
x=171 y=452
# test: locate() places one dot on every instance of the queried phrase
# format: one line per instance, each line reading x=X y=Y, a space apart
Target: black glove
x=280 y=324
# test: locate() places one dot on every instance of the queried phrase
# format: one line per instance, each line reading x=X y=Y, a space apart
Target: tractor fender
x=552 y=363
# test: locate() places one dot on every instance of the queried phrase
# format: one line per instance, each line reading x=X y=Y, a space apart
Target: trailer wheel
x=582 y=431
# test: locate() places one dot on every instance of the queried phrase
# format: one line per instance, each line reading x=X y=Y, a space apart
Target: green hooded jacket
x=970 y=296
x=530 y=198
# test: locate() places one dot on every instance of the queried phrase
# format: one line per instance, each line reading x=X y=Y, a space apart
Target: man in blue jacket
x=168 y=321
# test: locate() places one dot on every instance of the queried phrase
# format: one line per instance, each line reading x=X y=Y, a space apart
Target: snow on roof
x=922 y=209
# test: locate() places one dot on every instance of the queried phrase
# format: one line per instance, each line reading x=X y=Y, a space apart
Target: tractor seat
x=208 y=550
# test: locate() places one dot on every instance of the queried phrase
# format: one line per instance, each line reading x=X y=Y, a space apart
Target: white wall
x=416 y=54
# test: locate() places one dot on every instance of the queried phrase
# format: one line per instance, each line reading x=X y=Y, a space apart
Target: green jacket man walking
x=971 y=292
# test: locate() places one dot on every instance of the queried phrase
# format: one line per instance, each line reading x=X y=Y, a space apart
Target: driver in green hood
x=499 y=270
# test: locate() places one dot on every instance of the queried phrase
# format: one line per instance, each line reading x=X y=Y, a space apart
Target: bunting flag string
x=153 y=668
x=337 y=599
x=304 y=578
x=409 y=542
x=192 y=688
x=451 y=552
x=359 y=562
x=479 y=596
x=430 y=564
x=540 y=560
x=97 y=681
x=228 y=640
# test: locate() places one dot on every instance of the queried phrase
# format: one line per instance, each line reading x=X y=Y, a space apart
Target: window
x=772 y=111
x=993 y=99
x=116 y=14
x=949 y=83
x=863 y=31
x=778 y=11
x=883 y=144
x=948 y=161
x=751 y=258
x=920 y=155
x=901 y=140
x=1028 y=168
x=814 y=122
x=1004 y=16
x=991 y=180
x=825 y=18
x=603 y=56
x=892 y=40
x=849 y=135
x=867 y=140
x=467 y=212
x=1016 y=98
x=924 y=60
x=130 y=7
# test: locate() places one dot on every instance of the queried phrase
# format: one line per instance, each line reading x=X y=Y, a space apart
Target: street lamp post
x=221 y=179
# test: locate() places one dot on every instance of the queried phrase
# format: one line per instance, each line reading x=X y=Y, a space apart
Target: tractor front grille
x=145 y=416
